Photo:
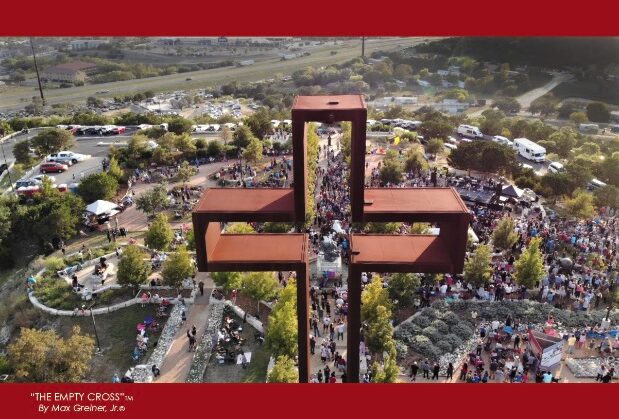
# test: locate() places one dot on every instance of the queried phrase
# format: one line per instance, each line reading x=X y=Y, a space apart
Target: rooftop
x=260 y=204
x=406 y=253
x=342 y=102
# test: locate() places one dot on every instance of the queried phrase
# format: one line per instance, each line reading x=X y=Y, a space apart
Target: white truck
x=469 y=131
x=530 y=150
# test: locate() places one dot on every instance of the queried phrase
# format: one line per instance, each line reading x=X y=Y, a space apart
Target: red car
x=52 y=166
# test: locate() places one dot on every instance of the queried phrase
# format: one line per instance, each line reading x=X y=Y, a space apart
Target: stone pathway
x=177 y=361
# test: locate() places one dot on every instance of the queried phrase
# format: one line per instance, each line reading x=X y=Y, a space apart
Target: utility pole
x=363 y=47
x=36 y=68
x=8 y=171
x=95 y=327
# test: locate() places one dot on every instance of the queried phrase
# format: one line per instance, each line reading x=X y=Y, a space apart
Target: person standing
x=435 y=371
x=463 y=371
x=201 y=287
x=340 y=330
x=194 y=331
x=312 y=342
x=450 y=371
x=425 y=367
x=414 y=370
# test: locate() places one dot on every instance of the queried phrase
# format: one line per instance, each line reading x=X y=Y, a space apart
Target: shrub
x=54 y=264
x=444 y=346
x=462 y=330
x=407 y=332
x=450 y=318
x=425 y=348
x=401 y=349
x=441 y=326
x=430 y=312
x=454 y=340
x=432 y=333
x=422 y=320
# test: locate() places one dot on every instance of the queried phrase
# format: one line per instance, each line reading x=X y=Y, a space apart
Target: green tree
x=387 y=372
x=186 y=172
x=52 y=140
x=383 y=228
x=240 y=228
x=191 y=240
x=578 y=173
x=598 y=112
x=98 y=186
x=372 y=297
x=380 y=331
x=177 y=268
x=504 y=235
x=435 y=146
x=179 y=125
x=565 y=140
x=153 y=200
x=284 y=371
x=581 y=206
x=530 y=265
x=391 y=171
x=260 y=286
x=214 y=149
x=434 y=128
x=578 y=118
x=253 y=152
x=228 y=281
x=402 y=288
x=259 y=123
x=477 y=268
x=41 y=356
x=282 y=332
x=558 y=184
x=159 y=235
x=115 y=170
x=273 y=227
x=21 y=152
x=226 y=134
x=507 y=105
x=545 y=105
x=133 y=270
x=607 y=196
x=242 y=136
x=186 y=145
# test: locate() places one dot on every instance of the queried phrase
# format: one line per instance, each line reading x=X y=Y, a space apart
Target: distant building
x=87 y=43
x=222 y=41
x=72 y=72
x=451 y=106
x=395 y=100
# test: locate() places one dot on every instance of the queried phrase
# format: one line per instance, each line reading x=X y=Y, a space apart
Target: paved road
x=12 y=98
x=526 y=98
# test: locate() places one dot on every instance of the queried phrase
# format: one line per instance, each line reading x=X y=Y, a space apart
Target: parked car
x=24 y=183
x=3 y=167
x=52 y=166
x=39 y=178
x=67 y=157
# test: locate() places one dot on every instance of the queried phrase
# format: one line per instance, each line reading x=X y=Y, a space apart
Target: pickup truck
x=67 y=157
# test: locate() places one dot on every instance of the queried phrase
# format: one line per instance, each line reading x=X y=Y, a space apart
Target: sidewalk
x=178 y=360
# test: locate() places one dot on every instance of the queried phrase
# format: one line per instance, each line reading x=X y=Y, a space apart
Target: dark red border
x=430 y=401
x=322 y=18
x=309 y=18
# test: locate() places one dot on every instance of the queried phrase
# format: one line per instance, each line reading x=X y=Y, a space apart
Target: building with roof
x=75 y=71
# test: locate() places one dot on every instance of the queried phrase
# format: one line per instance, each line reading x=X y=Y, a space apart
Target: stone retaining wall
x=143 y=373
x=204 y=350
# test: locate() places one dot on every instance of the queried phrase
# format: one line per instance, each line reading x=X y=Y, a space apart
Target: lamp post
x=94 y=325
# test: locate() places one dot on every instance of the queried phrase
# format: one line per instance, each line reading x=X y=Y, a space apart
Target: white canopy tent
x=101 y=207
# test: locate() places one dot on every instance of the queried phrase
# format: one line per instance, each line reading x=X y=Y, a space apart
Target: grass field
x=14 y=98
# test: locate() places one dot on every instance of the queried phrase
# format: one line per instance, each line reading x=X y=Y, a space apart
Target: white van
x=450 y=146
x=502 y=140
x=530 y=150
x=556 y=167
x=595 y=184
x=469 y=131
